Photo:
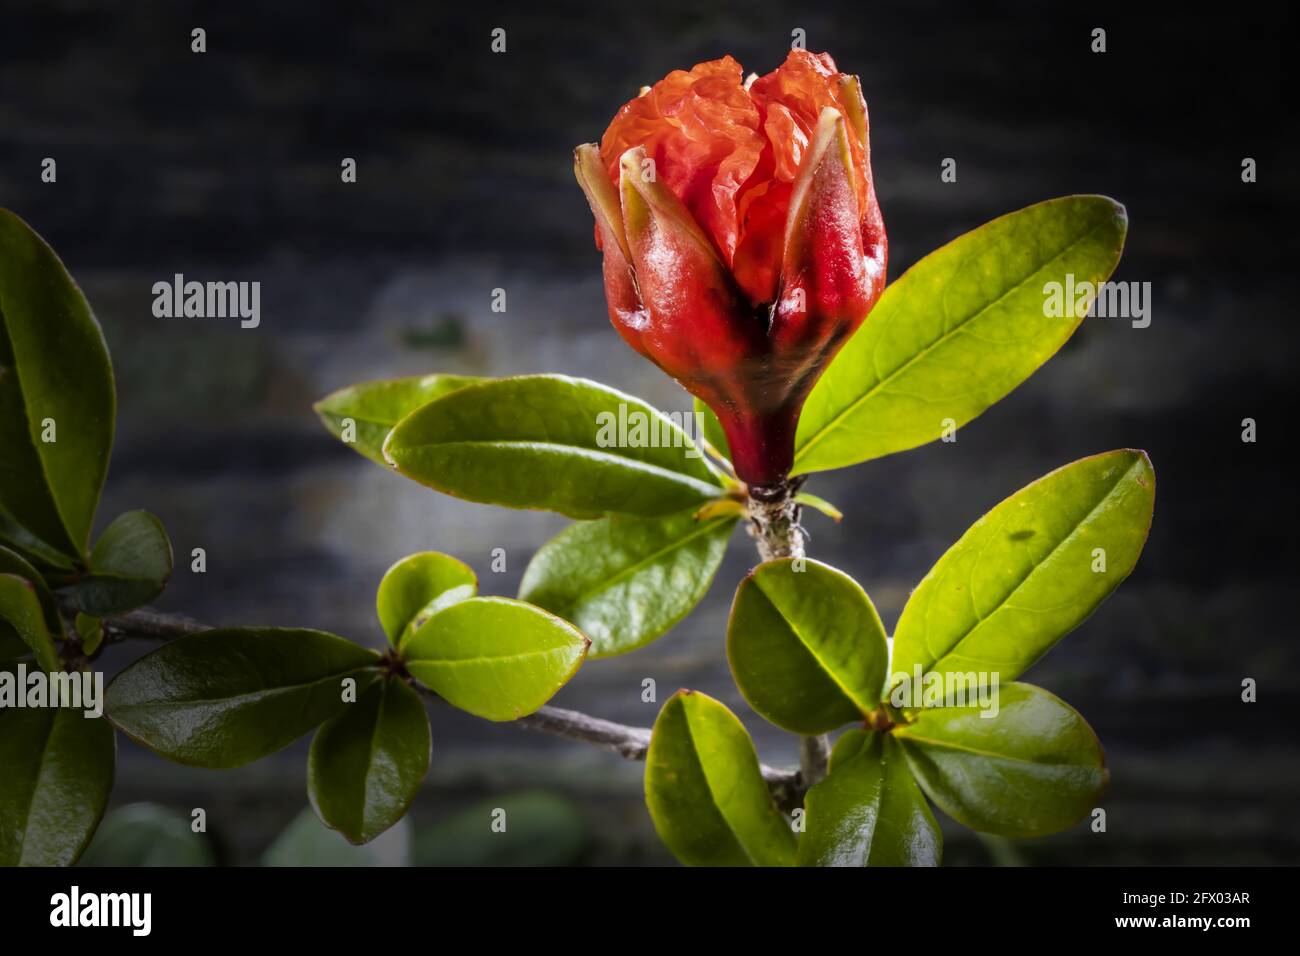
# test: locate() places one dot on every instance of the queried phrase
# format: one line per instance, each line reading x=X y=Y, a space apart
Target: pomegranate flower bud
x=742 y=239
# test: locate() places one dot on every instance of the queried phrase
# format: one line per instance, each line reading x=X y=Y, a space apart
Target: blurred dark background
x=226 y=166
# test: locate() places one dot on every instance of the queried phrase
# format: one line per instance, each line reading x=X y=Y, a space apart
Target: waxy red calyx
x=742 y=239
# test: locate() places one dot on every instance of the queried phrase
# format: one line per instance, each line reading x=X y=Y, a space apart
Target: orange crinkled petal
x=703 y=132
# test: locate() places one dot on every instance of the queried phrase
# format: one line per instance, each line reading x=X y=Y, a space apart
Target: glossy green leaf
x=375 y=407
x=848 y=745
x=705 y=789
x=129 y=566
x=957 y=332
x=306 y=842
x=533 y=828
x=870 y=812
x=57 y=771
x=148 y=834
x=55 y=382
x=225 y=697
x=1028 y=572
x=11 y=562
x=626 y=581
x=806 y=646
x=494 y=657
x=713 y=432
x=418 y=587
x=1033 y=769
x=366 y=765
x=20 y=609
x=554 y=443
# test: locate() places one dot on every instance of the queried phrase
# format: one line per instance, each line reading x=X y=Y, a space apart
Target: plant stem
x=814 y=758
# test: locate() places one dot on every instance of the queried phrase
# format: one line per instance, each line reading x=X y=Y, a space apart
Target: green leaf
x=705 y=789
x=870 y=812
x=806 y=647
x=225 y=697
x=626 y=581
x=418 y=587
x=375 y=407
x=147 y=834
x=58 y=771
x=306 y=842
x=366 y=765
x=540 y=829
x=713 y=432
x=130 y=566
x=1034 y=769
x=494 y=657
x=957 y=332
x=554 y=443
x=91 y=631
x=820 y=504
x=1026 y=573
x=54 y=373
x=18 y=539
x=20 y=609
x=13 y=563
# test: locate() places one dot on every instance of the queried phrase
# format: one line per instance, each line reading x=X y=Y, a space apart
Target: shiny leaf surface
x=806 y=647
x=626 y=581
x=495 y=657
x=225 y=697
x=957 y=332
x=706 y=792
x=552 y=443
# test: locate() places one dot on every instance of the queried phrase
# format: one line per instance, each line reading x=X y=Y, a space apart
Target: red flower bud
x=743 y=242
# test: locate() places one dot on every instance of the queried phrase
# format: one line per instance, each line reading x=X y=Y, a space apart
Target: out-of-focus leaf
x=533 y=828
x=147 y=834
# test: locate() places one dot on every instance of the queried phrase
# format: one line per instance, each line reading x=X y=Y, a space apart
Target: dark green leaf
x=147 y=834
x=366 y=764
x=495 y=657
x=959 y=330
x=223 y=698
x=130 y=566
x=806 y=646
x=57 y=774
x=1033 y=769
x=554 y=443
x=1025 y=574
x=13 y=563
x=416 y=588
x=625 y=581
x=54 y=373
x=517 y=829
x=375 y=407
x=20 y=609
x=705 y=789
x=870 y=812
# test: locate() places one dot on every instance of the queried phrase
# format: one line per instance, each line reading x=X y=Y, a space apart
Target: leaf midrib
x=854 y=405
x=1032 y=571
